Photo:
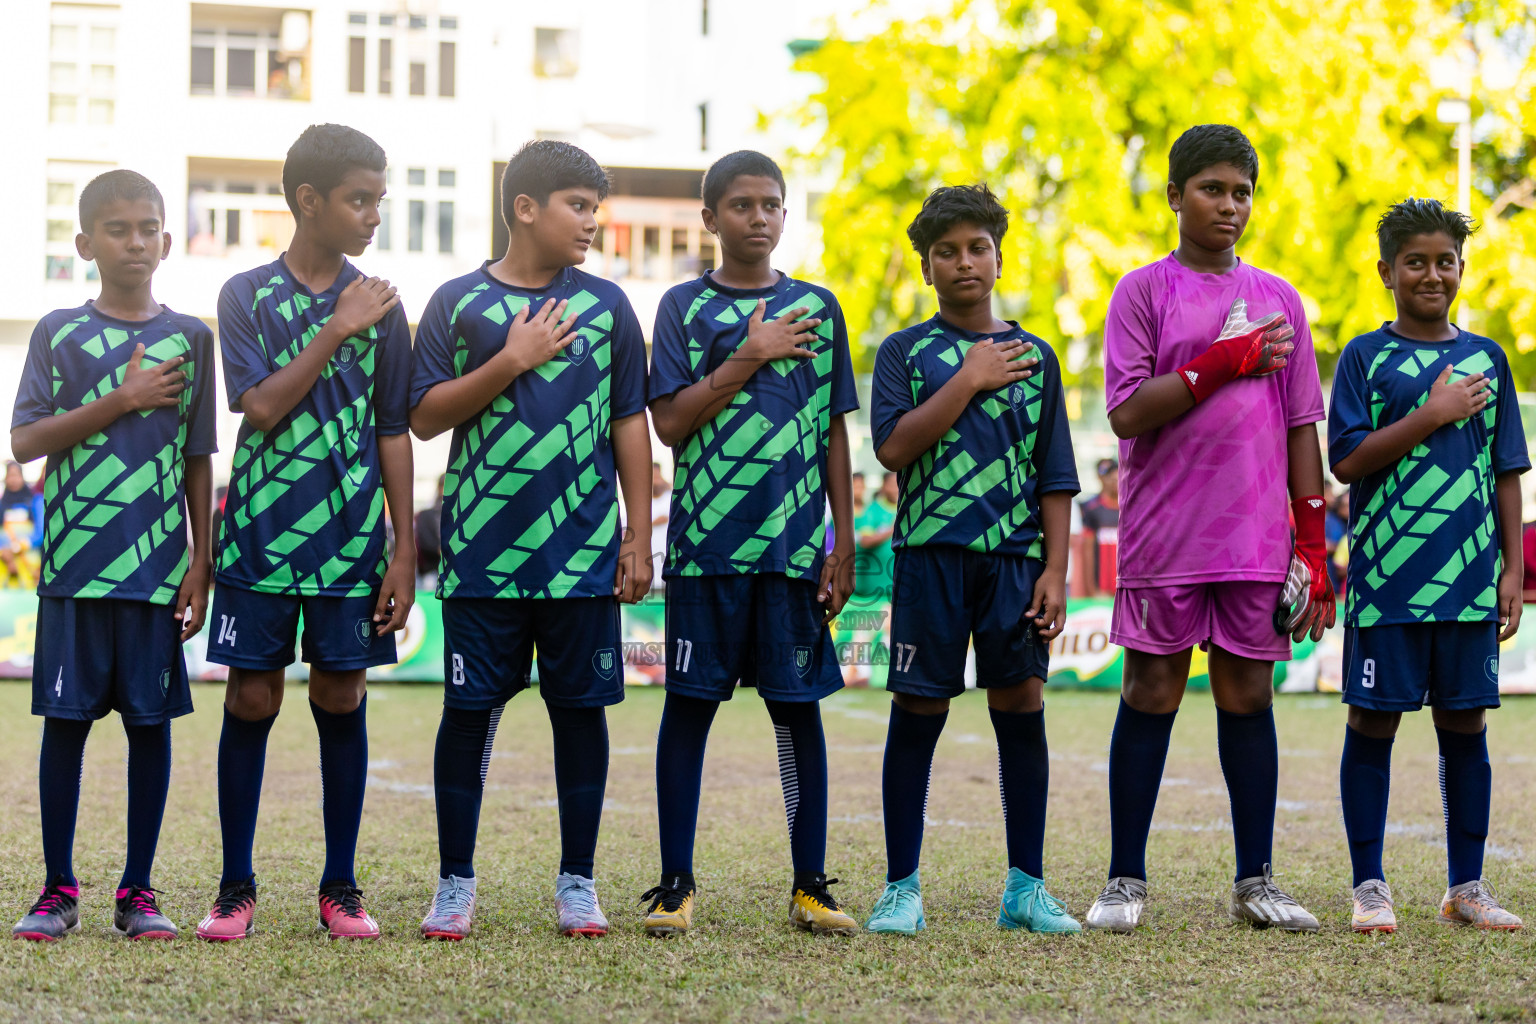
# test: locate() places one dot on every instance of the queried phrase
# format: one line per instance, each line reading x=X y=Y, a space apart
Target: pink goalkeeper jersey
x=1204 y=497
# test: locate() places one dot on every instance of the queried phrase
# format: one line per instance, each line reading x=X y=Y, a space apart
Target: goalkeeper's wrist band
x=1211 y=369
x=1310 y=514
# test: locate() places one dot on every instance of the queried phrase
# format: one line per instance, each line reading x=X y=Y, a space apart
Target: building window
x=249 y=58
x=445 y=227
x=386 y=67
x=447 y=60
x=416 y=176
x=357 y=18
x=418 y=21
x=416 y=225
x=703 y=126
x=61 y=191
x=447 y=178
x=703 y=17
x=556 y=52
x=357 y=59
x=236 y=206
x=82 y=77
x=381 y=237
x=447 y=24
x=418 y=79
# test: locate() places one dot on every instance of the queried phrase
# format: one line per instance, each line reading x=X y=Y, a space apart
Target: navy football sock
x=59 y=766
x=1250 y=760
x=242 y=759
x=459 y=767
x=1365 y=780
x=904 y=778
x=1466 y=789
x=149 y=780
x=1138 y=748
x=680 y=742
x=343 y=781
x=803 y=776
x=1024 y=779
x=581 y=775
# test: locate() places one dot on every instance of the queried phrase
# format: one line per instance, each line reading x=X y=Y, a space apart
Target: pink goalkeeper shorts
x=1237 y=616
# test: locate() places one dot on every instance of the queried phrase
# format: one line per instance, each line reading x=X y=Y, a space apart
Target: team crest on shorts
x=1016 y=396
x=165 y=682
x=802 y=661
x=603 y=662
x=577 y=351
x=364 y=632
x=1491 y=666
x=346 y=356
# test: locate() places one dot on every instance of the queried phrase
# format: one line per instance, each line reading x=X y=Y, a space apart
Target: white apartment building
x=205 y=99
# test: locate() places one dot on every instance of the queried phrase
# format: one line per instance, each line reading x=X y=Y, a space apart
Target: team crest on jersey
x=577 y=350
x=802 y=661
x=1491 y=666
x=364 y=630
x=346 y=356
x=1016 y=396
x=165 y=682
x=603 y=662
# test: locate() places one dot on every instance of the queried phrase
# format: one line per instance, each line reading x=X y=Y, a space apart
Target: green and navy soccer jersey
x=979 y=487
x=115 y=522
x=530 y=500
x=305 y=510
x=1424 y=532
x=749 y=491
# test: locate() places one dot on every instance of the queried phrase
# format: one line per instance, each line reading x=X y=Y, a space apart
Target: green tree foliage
x=1069 y=109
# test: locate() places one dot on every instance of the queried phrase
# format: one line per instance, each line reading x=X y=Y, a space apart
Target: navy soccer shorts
x=96 y=655
x=762 y=629
x=1449 y=665
x=489 y=646
x=256 y=631
x=945 y=596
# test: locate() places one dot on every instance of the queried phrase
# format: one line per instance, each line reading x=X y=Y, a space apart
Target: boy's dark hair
x=1206 y=145
x=1419 y=217
x=323 y=155
x=735 y=165
x=112 y=186
x=545 y=166
x=949 y=205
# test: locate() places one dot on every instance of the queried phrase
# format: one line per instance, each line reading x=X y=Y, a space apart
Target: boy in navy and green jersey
x=750 y=379
x=317 y=357
x=118 y=394
x=539 y=371
x=1425 y=429
x=969 y=410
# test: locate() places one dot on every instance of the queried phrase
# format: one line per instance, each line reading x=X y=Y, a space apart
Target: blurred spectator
x=661 y=511
x=1336 y=535
x=429 y=540
x=1101 y=531
x=21 y=510
x=872 y=532
x=219 y=494
x=859 y=497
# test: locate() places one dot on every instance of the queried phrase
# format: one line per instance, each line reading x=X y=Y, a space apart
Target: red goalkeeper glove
x=1242 y=350
x=1306 y=600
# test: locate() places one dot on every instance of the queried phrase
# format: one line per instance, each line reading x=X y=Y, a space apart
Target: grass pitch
x=744 y=962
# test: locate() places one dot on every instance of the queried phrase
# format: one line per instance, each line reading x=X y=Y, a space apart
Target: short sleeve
x=1349 y=410
x=34 y=395
x=1055 y=464
x=626 y=394
x=1303 y=387
x=670 y=372
x=891 y=391
x=845 y=397
x=1130 y=342
x=392 y=375
x=432 y=355
x=1510 y=454
x=245 y=359
x=202 y=417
